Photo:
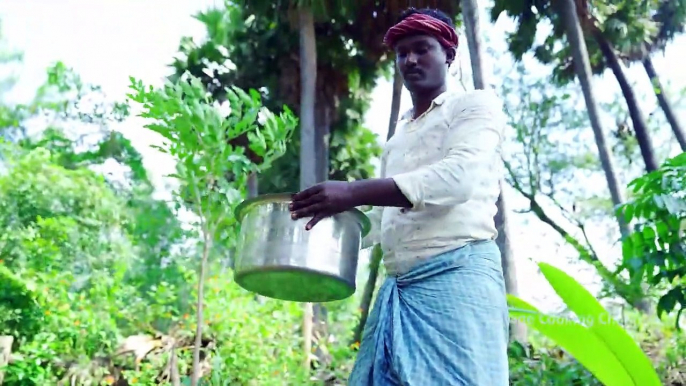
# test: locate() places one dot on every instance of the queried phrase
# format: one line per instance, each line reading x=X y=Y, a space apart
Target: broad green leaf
x=649 y=234
x=256 y=97
x=576 y=339
x=662 y=233
x=606 y=328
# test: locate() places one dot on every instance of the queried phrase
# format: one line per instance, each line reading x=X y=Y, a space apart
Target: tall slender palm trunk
x=663 y=101
x=643 y=138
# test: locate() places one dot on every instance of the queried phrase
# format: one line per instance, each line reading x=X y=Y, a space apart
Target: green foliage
x=62 y=236
x=253 y=46
x=20 y=314
x=662 y=341
x=91 y=265
x=249 y=332
x=546 y=365
x=64 y=90
x=597 y=341
x=78 y=238
x=670 y=15
x=630 y=27
x=93 y=262
x=205 y=137
x=543 y=362
x=656 y=250
x=628 y=24
x=151 y=224
x=69 y=217
x=216 y=146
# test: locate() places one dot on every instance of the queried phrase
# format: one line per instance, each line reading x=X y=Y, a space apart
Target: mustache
x=414 y=71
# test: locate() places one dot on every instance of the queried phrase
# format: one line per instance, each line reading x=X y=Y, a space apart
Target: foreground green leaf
x=577 y=340
x=592 y=314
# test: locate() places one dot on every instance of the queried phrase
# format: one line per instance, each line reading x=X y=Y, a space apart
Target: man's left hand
x=321 y=201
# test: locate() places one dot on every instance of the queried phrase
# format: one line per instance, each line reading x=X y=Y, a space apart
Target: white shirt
x=447 y=163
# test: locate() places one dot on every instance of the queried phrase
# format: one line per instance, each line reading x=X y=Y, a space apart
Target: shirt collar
x=442 y=97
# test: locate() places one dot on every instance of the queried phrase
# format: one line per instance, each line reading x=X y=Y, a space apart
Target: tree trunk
x=308 y=172
x=321 y=164
x=470 y=16
x=395 y=102
x=197 y=345
x=323 y=112
x=640 y=127
x=518 y=330
x=322 y=132
x=567 y=11
x=377 y=254
x=308 y=81
x=470 y=12
x=662 y=99
x=5 y=353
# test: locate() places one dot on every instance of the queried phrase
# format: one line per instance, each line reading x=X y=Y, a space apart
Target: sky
x=107 y=41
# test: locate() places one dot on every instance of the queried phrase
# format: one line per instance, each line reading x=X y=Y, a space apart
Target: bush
x=20 y=313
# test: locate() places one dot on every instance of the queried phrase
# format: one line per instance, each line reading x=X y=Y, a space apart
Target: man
x=440 y=317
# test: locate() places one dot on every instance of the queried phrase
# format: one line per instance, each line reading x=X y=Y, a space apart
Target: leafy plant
x=596 y=340
x=217 y=146
x=544 y=365
x=20 y=312
x=656 y=250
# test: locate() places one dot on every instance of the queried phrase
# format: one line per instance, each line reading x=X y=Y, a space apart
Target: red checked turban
x=418 y=23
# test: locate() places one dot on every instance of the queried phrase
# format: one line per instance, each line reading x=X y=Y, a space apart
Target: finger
x=296 y=205
x=309 y=211
x=317 y=218
x=306 y=193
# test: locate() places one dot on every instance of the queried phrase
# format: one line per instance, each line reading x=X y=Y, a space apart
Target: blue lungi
x=443 y=323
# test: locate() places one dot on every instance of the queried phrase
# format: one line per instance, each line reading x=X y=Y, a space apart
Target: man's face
x=422 y=62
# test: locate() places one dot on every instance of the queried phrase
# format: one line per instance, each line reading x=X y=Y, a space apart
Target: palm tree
x=669 y=16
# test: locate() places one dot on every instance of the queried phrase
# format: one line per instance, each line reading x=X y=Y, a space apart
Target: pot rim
x=286 y=197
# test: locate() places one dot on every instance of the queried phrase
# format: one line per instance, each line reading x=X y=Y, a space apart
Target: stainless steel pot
x=277 y=258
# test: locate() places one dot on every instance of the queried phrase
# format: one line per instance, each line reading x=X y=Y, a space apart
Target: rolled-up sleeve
x=475 y=130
